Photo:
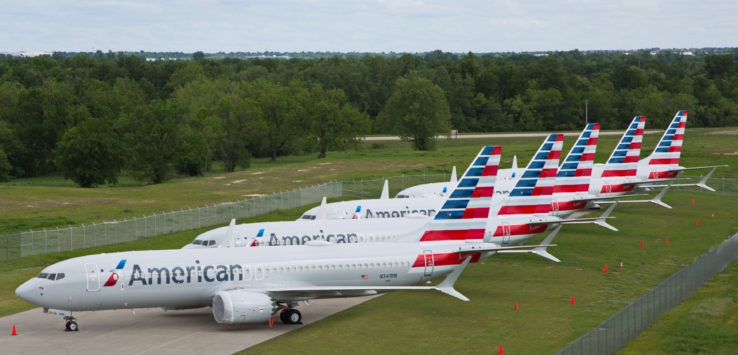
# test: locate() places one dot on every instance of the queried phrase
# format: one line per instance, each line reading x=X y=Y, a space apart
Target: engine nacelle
x=240 y=306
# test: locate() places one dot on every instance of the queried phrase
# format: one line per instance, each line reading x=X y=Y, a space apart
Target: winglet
x=447 y=285
x=454 y=180
x=385 y=191
x=657 y=199
x=541 y=250
x=515 y=162
x=703 y=182
x=601 y=220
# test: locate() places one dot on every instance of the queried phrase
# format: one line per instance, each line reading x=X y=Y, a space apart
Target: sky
x=365 y=25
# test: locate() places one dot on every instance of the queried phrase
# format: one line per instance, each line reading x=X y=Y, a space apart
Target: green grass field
x=705 y=323
x=51 y=201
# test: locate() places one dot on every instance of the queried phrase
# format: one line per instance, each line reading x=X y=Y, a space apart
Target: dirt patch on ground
x=257 y=173
x=218 y=177
x=730 y=133
x=726 y=153
x=238 y=181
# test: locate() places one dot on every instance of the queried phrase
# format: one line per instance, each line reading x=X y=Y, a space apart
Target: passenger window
x=59 y=276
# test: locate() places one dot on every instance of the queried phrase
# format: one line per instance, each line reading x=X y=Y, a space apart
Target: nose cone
x=27 y=291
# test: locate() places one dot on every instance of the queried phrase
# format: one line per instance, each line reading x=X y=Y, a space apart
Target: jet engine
x=238 y=306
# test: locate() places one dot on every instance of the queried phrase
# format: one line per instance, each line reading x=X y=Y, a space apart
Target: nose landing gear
x=71 y=324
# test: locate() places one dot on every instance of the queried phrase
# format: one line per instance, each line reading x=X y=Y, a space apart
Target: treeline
x=92 y=116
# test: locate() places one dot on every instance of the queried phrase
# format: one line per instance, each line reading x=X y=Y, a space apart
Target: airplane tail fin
x=534 y=189
x=668 y=151
x=624 y=158
x=464 y=213
x=576 y=170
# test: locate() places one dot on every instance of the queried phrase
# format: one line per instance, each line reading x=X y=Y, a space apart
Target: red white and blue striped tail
x=576 y=171
x=534 y=189
x=624 y=158
x=464 y=214
x=666 y=154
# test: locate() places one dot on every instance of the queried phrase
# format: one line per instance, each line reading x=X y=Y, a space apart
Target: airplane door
x=505 y=233
x=93 y=277
x=429 y=262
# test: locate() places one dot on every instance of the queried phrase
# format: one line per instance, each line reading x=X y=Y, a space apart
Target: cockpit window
x=308 y=216
x=43 y=275
x=52 y=277
x=59 y=276
x=197 y=242
x=403 y=196
x=212 y=242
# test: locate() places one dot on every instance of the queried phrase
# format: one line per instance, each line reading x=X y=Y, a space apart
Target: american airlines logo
x=399 y=213
x=299 y=240
x=193 y=273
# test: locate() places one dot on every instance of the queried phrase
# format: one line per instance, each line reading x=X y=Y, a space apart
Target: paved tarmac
x=148 y=331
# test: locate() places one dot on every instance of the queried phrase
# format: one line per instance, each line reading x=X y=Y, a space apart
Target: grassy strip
x=705 y=323
x=51 y=201
x=409 y=322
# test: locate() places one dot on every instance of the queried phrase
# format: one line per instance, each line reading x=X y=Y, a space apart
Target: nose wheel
x=71 y=324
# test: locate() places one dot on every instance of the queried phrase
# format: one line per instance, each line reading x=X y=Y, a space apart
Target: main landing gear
x=290 y=316
x=71 y=324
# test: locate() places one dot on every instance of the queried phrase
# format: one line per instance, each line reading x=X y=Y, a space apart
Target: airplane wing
x=600 y=221
x=290 y=293
x=702 y=183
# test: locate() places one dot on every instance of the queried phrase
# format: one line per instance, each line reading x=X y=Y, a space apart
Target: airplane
x=387 y=229
x=251 y=285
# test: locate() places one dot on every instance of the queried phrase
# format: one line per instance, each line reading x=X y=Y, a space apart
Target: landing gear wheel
x=72 y=326
x=291 y=316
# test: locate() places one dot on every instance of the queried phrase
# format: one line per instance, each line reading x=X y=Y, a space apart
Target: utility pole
x=586 y=118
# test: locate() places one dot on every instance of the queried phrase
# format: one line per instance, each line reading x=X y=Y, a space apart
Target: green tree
x=151 y=136
x=89 y=153
x=191 y=153
x=280 y=113
x=332 y=120
x=229 y=124
x=417 y=111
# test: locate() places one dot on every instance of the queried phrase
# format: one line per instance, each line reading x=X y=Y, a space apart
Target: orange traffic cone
x=667 y=239
x=698 y=223
x=605 y=267
x=693 y=201
x=713 y=216
x=516 y=305
x=572 y=299
x=500 y=351
x=13 y=333
x=641 y=243
x=621 y=265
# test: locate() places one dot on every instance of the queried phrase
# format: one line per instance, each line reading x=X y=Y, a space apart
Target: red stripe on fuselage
x=521 y=229
x=662 y=174
x=617 y=188
x=443 y=259
x=529 y=209
x=568 y=206
x=463 y=234
x=664 y=161
x=571 y=188
x=611 y=173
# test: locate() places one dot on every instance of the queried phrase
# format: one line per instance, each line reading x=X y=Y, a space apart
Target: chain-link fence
x=114 y=232
x=624 y=326
x=86 y=236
